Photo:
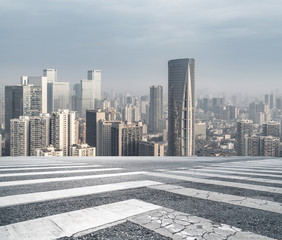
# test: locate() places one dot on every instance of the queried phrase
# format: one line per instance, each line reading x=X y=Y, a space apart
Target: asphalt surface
x=263 y=224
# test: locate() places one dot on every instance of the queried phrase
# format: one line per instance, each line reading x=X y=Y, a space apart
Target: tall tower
x=39 y=128
x=19 y=143
x=244 y=131
x=92 y=118
x=63 y=130
x=181 y=107
x=90 y=92
x=271 y=129
x=156 y=107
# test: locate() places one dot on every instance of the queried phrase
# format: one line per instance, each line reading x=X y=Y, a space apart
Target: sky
x=237 y=44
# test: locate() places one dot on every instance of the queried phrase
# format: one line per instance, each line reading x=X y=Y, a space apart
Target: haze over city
x=237 y=44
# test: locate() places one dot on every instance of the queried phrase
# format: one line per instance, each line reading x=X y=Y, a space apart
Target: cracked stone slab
x=222 y=197
x=179 y=225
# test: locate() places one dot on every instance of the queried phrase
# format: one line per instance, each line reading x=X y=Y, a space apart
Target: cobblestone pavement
x=178 y=225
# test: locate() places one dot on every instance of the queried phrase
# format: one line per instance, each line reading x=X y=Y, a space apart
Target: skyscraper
x=20 y=101
x=41 y=82
x=244 y=131
x=181 y=107
x=125 y=138
x=63 y=130
x=51 y=75
x=92 y=118
x=39 y=132
x=61 y=95
x=19 y=130
x=271 y=129
x=156 y=108
x=90 y=92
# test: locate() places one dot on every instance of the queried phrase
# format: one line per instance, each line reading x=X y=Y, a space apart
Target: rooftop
x=140 y=198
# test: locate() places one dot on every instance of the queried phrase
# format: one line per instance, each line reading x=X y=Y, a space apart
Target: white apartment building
x=63 y=130
x=19 y=136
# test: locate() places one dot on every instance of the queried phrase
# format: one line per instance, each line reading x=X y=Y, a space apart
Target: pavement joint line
x=59 y=172
x=264 y=205
x=64 y=179
x=179 y=225
x=218 y=182
x=42 y=168
x=20 y=199
x=70 y=223
x=237 y=173
x=262 y=180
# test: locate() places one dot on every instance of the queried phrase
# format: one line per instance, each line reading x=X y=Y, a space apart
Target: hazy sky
x=237 y=44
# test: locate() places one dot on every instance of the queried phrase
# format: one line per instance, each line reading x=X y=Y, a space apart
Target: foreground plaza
x=140 y=198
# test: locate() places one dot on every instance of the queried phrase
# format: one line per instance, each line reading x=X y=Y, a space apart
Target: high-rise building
x=61 y=95
x=20 y=100
x=269 y=146
x=92 y=118
x=104 y=137
x=125 y=139
x=63 y=130
x=38 y=82
x=51 y=75
x=244 y=131
x=58 y=93
x=19 y=132
x=2 y=106
x=156 y=108
x=271 y=129
x=90 y=92
x=39 y=133
x=181 y=107
x=0 y=145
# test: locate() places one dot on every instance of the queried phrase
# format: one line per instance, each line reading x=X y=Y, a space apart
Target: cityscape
x=140 y=119
x=42 y=116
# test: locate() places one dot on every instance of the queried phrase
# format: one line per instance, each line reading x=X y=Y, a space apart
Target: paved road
x=140 y=198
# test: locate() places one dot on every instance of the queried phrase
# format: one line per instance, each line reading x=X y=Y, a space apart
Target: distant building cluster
x=42 y=116
x=239 y=125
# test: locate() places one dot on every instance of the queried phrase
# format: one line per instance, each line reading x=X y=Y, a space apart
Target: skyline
x=235 y=43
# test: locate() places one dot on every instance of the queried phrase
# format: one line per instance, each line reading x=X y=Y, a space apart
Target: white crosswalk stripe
x=230 y=171
x=66 y=179
x=67 y=224
x=263 y=180
x=59 y=172
x=249 y=170
x=73 y=192
x=219 y=183
x=26 y=185
x=43 y=168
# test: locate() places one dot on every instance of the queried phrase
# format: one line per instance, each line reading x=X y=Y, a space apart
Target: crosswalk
x=60 y=197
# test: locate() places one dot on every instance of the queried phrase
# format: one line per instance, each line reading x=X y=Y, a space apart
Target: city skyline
x=236 y=43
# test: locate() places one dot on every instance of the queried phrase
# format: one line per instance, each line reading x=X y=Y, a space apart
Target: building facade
x=181 y=107
x=90 y=92
x=39 y=128
x=156 y=108
x=19 y=141
x=92 y=118
x=244 y=131
x=125 y=139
